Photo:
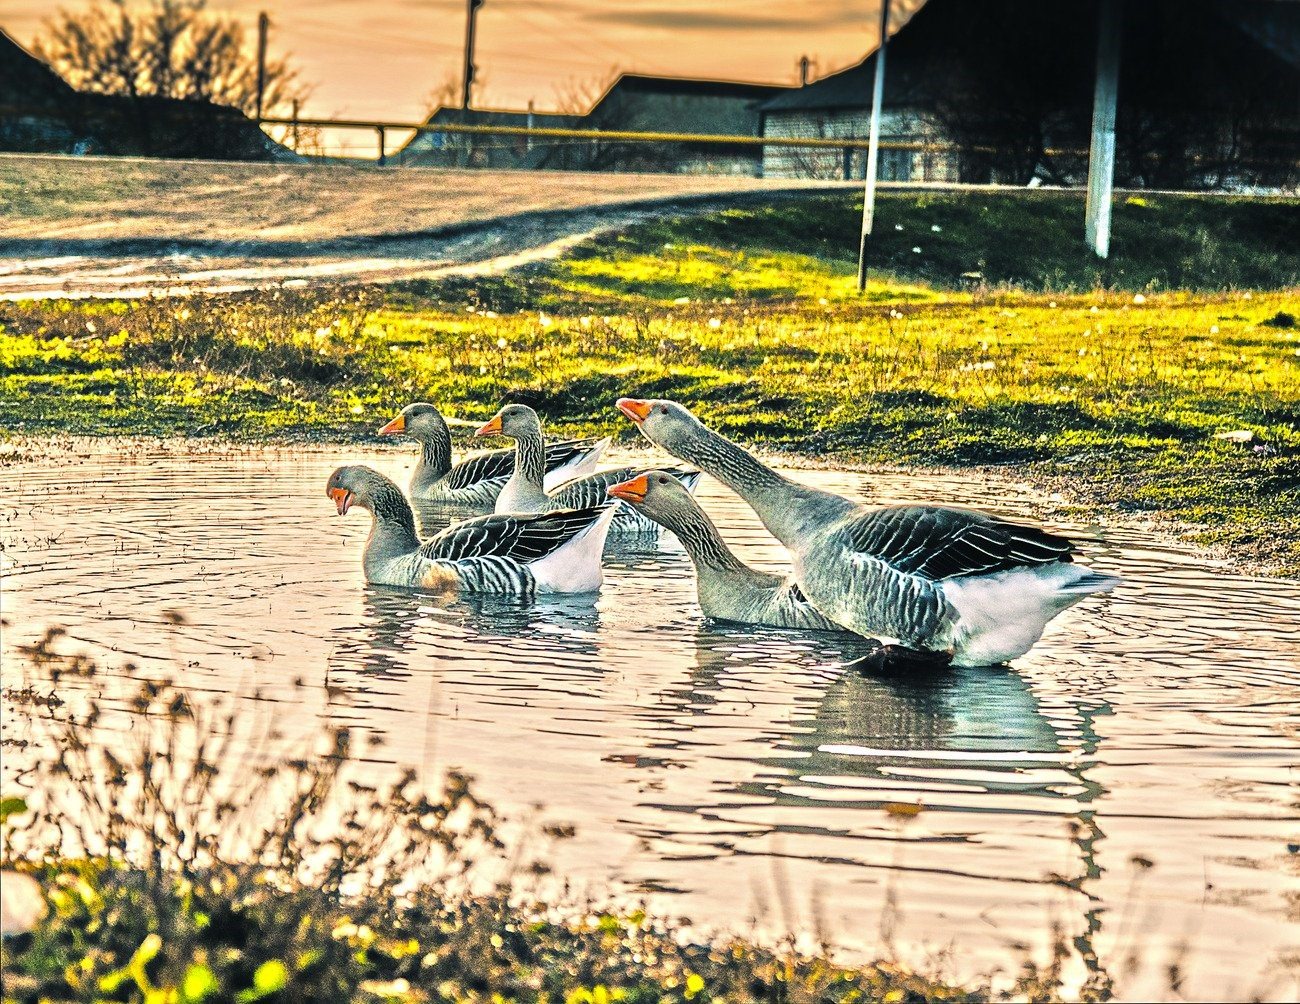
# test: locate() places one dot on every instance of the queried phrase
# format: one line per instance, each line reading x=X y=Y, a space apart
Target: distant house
x=1209 y=97
x=632 y=103
x=41 y=113
x=33 y=102
x=674 y=104
x=839 y=107
x=449 y=149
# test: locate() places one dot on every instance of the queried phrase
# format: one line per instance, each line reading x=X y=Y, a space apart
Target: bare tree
x=576 y=95
x=445 y=95
x=168 y=49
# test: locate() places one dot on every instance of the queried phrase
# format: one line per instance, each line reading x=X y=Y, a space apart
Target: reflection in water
x=715 y=764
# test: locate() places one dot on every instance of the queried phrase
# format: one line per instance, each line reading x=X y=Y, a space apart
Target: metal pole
x=263 y=23
x=471 y=16
x=295 y=125
x=1101 y=154
x=873 y=147
x=380 y=130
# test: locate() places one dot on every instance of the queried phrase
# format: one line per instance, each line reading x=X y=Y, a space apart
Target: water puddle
x=728 y=773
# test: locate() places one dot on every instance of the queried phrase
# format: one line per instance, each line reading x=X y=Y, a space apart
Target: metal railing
x=382 y=128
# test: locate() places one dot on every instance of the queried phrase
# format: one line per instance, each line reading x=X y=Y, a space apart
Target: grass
x=176 y=870
x=1113 y=380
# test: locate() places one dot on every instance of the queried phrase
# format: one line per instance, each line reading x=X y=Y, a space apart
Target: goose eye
x=663 y=481
x=663 y=409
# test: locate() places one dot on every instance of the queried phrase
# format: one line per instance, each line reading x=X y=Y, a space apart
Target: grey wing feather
x=562 y=451
x=486 y=465
x=590 y=489
x=523 y=537
x=492 y=465
x=941 y=543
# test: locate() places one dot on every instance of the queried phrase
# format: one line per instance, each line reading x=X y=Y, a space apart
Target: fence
x=843 y=147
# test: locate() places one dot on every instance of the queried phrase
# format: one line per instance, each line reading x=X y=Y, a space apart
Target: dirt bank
x=123 y=227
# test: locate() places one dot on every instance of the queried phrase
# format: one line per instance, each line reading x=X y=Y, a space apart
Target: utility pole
x=1101 y=155
x=295 y=125
x=471 y=16
x=263 y=24
x=873 y=147
x=803 y=71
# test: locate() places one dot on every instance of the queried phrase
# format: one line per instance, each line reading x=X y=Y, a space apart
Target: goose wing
x=522 y=536
x=590 y=489
x=934 y=542
x=563 y=451
x=497 y=465
x=485 y=465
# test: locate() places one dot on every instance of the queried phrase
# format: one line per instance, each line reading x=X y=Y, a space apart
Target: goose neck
x=703 y=543
x=392 y=525
x=530 y=460
x=435 y=453
x=789 y=510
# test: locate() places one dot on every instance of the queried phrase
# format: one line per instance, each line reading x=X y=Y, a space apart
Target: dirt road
x=73 y=227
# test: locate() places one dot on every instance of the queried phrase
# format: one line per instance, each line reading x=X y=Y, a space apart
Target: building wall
x=898 y=125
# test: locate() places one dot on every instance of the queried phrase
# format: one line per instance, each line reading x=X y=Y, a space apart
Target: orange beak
x=492 y=428
x=632 y=490
x=394 y=427
x=637 y=411
x=342 y=499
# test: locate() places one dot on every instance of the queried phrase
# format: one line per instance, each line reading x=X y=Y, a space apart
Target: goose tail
x=575 y=566
x=1089 y=583
x=582 y=463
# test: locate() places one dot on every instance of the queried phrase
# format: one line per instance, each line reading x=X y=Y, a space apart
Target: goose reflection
x=403 y=633
x=843 y=713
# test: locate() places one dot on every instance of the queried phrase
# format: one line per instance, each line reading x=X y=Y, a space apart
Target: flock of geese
x=936 y=584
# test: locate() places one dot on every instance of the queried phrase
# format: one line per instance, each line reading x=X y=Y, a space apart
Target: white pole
x=873 y=147
x=1101 y=154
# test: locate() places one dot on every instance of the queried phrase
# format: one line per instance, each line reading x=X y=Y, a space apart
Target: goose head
x=664 y=423
x=657 y=494
x=514 y=420
x=419 y=421
x=360 y=486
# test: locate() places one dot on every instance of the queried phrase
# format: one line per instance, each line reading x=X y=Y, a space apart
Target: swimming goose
x=727 y=588
x=477 y=479
x=945 y=580
x=519 y=555
x=525 y=492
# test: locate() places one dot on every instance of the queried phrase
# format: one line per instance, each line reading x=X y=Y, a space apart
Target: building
x=41 y=113
x=1208 y=96
x=449 y=149
x=632 y=103
x=839 y=107
x=33 y=98
x=641 y=103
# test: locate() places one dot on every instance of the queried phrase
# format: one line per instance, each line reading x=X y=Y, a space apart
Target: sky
x=386 y=59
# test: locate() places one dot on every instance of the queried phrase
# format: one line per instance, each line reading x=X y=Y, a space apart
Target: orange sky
x=384 y=58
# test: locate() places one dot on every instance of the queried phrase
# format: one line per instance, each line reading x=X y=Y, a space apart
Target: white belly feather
x=1001 y=616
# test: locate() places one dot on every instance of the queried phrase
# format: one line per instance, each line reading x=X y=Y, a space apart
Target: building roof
x=26 y=80
x=640 y=83
x=849 y=88
x=1272 y=25
x=488 y=116
x=680 y=104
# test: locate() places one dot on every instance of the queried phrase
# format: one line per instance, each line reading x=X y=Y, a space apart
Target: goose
x=517 y=555
x=525 y=491
x=726 y=587
x=478 y=479
x=977 y=589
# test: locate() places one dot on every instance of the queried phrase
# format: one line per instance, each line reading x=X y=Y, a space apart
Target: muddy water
x=729 y=774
